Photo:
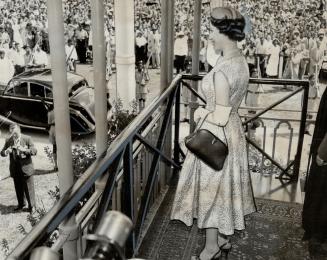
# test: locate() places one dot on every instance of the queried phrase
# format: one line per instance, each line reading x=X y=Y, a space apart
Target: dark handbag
x=208 y=148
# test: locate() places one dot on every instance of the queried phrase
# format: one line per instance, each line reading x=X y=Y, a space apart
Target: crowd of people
x=283 y=38
x=286 y=39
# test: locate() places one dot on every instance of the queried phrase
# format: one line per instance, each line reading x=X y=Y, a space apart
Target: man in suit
x=20 y=148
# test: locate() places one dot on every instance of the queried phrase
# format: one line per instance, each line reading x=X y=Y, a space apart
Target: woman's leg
x=211 y=247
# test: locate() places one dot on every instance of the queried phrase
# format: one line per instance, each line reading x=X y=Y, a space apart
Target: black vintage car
x=25 y=97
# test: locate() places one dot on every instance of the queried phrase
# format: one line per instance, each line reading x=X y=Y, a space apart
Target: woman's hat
x=225 y=13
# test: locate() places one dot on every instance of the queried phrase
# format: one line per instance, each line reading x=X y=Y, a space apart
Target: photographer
x=20 y=148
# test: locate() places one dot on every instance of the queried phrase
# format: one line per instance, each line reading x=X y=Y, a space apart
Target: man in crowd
x=6 y=68
x=71 y=55
x=29 y=36
x=20 y=148
x=4 y=38
x=81 y=43
x=140 y=47
x=16 y=55
x=262 y=55
x=154 y=48
x=40 y=57
x=180 y=51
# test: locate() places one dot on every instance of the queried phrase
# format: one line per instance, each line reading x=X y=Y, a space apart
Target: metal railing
x=134 y=178
x=133 y=171
x=302 y=85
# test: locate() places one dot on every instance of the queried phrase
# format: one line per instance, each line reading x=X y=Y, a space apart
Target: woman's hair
x=229 y=22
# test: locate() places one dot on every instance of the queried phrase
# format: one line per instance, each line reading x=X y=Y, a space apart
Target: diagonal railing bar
x=181 y=152
x=156 y=150
x=177 y=147
x=152 y=173
x=194 y=92
x=285 y=171
x=264 y=153
x=272 y=106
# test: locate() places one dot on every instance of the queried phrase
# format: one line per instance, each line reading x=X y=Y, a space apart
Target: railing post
x=154 y=166
x=298 y=155
x=195 y=58
x=280 y=66
x=177 y=119
x=128 y=195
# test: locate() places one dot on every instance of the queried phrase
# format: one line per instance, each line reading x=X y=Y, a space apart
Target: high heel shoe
x=216 y=256
x=225 y=249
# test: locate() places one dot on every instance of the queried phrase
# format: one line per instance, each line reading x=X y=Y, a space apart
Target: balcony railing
x=137 y=168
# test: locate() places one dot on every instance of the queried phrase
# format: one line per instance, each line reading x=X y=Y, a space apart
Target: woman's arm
x=220 y=113
x=222 y=110
x=222 y=89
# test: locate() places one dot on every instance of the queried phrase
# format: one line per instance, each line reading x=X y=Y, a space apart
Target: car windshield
x=77 y=87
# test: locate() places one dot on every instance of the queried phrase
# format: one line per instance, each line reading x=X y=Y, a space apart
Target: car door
x=26 y=105
x=15 y=97
x=5 y=102
x=37 y=112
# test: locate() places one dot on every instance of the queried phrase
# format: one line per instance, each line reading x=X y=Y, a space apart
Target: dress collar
x=232 y=54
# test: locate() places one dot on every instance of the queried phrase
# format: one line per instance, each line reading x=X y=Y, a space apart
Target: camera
x=107 y=243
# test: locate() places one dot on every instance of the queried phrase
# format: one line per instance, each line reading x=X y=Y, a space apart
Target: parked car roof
x=44 y=76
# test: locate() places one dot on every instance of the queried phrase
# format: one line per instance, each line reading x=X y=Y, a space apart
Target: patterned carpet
x=273 y=232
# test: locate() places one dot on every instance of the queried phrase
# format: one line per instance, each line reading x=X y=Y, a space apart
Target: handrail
x=71 y=198
x=266 y=81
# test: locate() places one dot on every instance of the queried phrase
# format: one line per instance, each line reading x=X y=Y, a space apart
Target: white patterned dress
x=219 y=199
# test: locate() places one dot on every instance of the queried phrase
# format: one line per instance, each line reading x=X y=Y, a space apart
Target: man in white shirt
x=140 y=47
x=156 y=49
x=4 y=38
x=71 y=55
x=6 y=68
x=40 y=57
x=262 y=55
x=16 y=55
x=180 y=51
x=81 y=43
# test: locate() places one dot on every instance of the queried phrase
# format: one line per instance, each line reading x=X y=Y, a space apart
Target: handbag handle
x=200 y=125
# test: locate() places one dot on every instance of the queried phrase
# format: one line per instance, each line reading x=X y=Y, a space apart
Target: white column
x=125 y=54
x=62 y=118
x=164 y=46
x=99 y=62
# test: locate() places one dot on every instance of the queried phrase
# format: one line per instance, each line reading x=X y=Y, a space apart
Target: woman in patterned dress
x=219 y=200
